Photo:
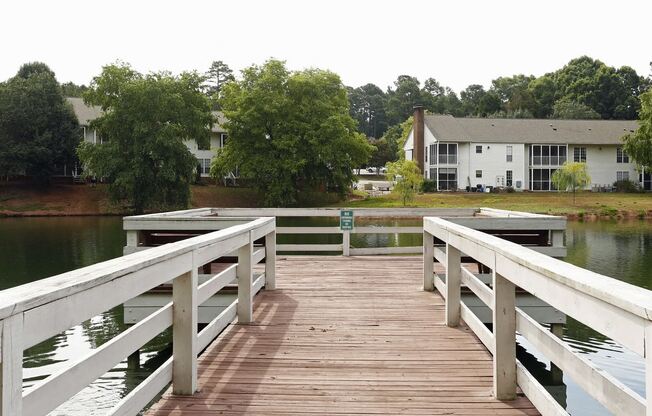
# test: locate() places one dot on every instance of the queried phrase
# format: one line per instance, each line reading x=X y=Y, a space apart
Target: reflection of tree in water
x=44 y=352
x=540 y=371
x=104 y=327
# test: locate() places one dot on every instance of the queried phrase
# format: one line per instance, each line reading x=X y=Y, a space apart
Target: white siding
x=493 y=163
x=602 y=166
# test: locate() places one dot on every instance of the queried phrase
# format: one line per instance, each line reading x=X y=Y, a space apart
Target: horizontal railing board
x=606 y=389
x=472 y=321
x=63 y=384
x=308 y=230
x=309 y=247
x=35 y=294
x=385 y=250
x=216 y=283
x=631 y=298
x=136 y=400
x=480 y=289
x=537 y=394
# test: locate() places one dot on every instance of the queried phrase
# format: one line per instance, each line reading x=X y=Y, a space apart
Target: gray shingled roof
x=85 y=114
x=502 y=130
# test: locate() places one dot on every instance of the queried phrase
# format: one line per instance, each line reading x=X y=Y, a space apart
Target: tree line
x=290 y=131
x=585 y=88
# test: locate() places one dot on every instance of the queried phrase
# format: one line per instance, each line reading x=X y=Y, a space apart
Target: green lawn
x=587 y=203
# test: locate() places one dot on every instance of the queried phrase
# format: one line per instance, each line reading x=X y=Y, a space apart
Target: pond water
x=34 y=248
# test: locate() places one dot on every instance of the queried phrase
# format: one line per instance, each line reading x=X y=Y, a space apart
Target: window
x=425 y=153
x=547 y=155
x=509 y=154
x=621 y=156
x=478 y=149
x=223 y=137
x=540 y=179
x=508 y=175
x=579 y=154
x=447 y=179
x=448 y=153
x=478 y=174
x=201 y=146
x=433 y=175
x=433 y=154
x=205 y=166
x=622 y=176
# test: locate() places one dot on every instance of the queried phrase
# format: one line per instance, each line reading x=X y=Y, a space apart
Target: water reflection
x=33 y=248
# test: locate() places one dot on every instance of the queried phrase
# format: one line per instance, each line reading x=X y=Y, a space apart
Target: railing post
x=453 y=285
x=244 y=273
x=504 y=323
x=557 y=238
x=648 y=368
x=346 y=243
x=428 y=262
x=11 y=368
x=184 y=332
x=270 y=261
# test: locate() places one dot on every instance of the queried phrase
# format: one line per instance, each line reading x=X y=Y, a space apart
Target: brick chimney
x=417 y=126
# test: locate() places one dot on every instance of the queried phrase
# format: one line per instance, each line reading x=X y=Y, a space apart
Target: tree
x=367 y=107
x=567 y=109
x=384 y=151
x=145 y=122
x=407 y=177
x=638 y=144
x=217 y=75
x=402 y=99
x=571 y=176
x=513 y=92
x=38 y=128
x=289 y=132
x=70 y=89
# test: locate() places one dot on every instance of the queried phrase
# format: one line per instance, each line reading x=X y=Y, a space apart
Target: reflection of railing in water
x=37 y=311
x=616 y=309
x=543 y=233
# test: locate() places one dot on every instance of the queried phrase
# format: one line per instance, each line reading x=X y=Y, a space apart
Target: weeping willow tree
x=407 y=176
x=571 y=177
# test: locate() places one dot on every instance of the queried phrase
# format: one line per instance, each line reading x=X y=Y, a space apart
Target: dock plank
x=345 y=336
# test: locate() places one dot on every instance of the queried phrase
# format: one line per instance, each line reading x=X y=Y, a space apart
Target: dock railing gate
x=620 y=311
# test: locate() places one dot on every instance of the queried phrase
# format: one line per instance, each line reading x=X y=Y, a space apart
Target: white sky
x=457 y=42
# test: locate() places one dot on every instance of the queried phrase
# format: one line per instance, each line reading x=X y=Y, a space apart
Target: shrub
x=627 y=186
x=510 y=190
x=429 y=185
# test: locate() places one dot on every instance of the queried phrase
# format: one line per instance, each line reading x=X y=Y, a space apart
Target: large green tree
x=289 y=132
x=367 y=107
x=145 y=121
x=402 y=98
x=38 y=129
x=638 y=145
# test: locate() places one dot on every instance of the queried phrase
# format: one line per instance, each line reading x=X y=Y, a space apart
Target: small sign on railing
x=346 y=220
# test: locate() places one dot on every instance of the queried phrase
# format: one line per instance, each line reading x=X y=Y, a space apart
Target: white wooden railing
x=478 y=218
x=620 y=311
x=36 y=311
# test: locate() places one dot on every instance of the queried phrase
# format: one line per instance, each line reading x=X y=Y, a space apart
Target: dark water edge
x=34 y=248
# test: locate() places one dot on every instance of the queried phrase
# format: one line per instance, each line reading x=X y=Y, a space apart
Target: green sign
x=346 y=220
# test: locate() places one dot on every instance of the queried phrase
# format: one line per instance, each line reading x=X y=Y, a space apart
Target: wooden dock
x=345 y=336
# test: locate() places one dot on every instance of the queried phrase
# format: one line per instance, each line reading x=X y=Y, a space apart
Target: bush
x=627 y=186
x=429 y=185
x=510 y=190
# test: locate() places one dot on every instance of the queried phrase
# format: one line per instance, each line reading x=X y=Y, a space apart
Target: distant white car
x=383 y=170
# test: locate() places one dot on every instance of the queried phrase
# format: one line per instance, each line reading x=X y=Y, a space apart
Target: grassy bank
x=587 y=203
x=87 y=200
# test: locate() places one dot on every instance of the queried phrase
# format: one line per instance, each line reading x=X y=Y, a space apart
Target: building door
x=500 y=180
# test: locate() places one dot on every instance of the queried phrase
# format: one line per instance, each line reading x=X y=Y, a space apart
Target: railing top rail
x=633 y=299
x=503 y=213
x=31 y=295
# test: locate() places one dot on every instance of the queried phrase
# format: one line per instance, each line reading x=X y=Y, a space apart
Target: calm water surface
x=34 y=248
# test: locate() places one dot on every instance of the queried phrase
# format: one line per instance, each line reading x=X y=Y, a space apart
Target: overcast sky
x=456 y=42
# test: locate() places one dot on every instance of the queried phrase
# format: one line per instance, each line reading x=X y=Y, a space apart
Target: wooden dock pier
x=342 y=336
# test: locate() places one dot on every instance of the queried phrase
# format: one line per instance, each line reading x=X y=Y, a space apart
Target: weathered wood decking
x=343 y=336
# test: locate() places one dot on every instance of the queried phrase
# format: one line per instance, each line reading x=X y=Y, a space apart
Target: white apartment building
x=85 y=114
x=462 y=153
